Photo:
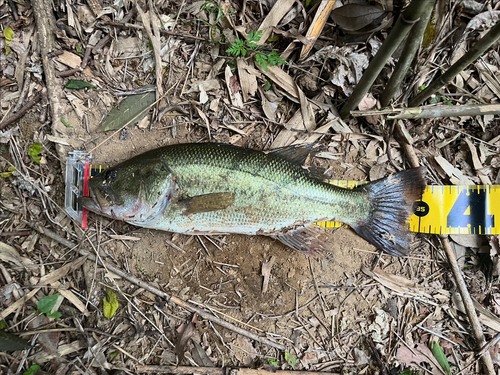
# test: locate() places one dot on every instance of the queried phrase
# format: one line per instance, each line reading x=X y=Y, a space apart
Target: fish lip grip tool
x=77 y=174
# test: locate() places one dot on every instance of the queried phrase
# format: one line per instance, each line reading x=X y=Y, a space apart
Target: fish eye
x=110 y=175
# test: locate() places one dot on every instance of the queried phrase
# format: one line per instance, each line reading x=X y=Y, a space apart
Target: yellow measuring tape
x=449 y=209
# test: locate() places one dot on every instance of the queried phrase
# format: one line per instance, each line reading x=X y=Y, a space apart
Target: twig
x=28 y=333
x=469 y=307
x=69 y=72
x=16 y=233
x=159 y=293
x=24 y=92
x=219 y=371
x=403 y=25
x=35 y=99
x=411 y=47
x=476 y=51
x=165 y=32
x=485 y=348
x=321 y=300
x=433 y=111
x=375 y=352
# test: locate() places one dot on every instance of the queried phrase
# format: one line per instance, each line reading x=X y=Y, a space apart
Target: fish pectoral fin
x=311 y=240
x=207 y=203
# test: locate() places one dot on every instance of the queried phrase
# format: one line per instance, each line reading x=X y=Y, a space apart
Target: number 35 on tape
x=457 y=210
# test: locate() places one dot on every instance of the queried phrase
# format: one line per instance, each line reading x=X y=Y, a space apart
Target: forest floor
x=353 y=310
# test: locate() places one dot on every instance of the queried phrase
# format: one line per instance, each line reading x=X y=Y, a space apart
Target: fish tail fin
x=392 y=200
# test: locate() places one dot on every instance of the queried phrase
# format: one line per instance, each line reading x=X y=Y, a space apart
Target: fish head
x=133 y=192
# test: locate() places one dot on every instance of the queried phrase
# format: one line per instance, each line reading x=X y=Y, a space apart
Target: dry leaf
x=456 y=176
x=10 y=255
x=279 y=10
x=418 y=355
x=69 y=59
x=248 y=80
x=353 y=17
x=203 y=95
x=207 y=85
x=268 y=107
x=186 y=331
x=234 y=88
x=348 y=70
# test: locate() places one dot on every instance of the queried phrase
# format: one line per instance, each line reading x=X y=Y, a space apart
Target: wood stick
x=35 y=99
x=219 y=371
x=179 y=302
x=436 y=111
x=477 y=330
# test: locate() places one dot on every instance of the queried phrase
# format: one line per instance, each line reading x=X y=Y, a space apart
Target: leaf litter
x=241 y=103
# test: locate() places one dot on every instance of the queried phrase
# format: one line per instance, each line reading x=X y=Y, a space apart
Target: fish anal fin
x=207 y=203
x=311 y=240
x=296 y=154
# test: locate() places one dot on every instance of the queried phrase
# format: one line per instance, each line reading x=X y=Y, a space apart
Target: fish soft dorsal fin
x=207 y=203
x=296 y=154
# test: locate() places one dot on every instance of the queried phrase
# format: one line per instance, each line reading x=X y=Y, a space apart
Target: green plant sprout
x=241 y=47
x=210 y=7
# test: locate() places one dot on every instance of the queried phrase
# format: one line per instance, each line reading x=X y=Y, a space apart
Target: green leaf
x=254 y=36
x=291 y=359
x=237 y=48
x=129 y=108
x=438 y=353
x=422 y=87
x=34 y=151
x=46 y=304
x=32 y=370
x=67 y=124
x=54 y=315
x=110 y=304
x=409 y=372
x=76 y=84
x=261 y=59
x=8 y=173
x=78 y=48
x=8 y=33
x=274 y=59
x=113 y=355
x=273 y=362
x=7 y=50
x=252 y=45
x=267 y=86
x=10 y=342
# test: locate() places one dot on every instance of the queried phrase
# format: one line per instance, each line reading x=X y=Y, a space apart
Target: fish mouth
x=90 y=204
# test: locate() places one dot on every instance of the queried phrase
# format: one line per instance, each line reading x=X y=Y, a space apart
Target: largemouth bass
x=211 y=188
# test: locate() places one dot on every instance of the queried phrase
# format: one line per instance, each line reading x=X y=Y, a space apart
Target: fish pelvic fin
x=311 y=240
x=392 y=201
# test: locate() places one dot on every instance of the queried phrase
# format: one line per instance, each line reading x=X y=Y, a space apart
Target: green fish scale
x=270 y=192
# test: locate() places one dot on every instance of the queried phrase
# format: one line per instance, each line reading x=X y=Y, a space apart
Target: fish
x=215 y=188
